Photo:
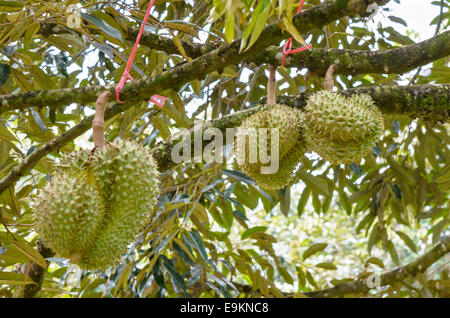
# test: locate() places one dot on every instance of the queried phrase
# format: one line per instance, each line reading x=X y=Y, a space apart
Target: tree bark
x=414 y=268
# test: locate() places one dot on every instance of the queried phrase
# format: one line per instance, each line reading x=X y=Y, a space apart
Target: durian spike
x=98 y=124
x=328 y=83
x=271 y=86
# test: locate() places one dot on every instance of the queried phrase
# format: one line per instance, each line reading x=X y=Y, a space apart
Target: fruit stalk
x=98 y=124
x=328 y=83
x=271 y=86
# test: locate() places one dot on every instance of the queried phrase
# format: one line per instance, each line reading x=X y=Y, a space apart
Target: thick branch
x=198 y=68
x=317 y=60
x=425 y=101
x=353 y=62
x=360 y=287
x=416 y=100
x=414 y=268
x=348 y=62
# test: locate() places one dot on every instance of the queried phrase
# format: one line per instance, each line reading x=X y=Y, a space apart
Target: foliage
x=215 y=232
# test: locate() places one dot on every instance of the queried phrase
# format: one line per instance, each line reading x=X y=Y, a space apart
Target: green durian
x=97 y=203
x=340 y=129
x=289 y=122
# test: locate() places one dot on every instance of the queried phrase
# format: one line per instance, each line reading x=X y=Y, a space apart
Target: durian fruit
x=291 y=145
x=97 y=203
x=340 y=129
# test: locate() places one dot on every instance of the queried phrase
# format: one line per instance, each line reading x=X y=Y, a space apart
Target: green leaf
x=285 y=274
x=182 y=26
x=174 y=275
x=251 y=25
x=198 y=244
x=237 y=175
x=313 y=249
x=5 y=134
x=29 y=251
x=11 y=6
x=253 y=230
x=374 y=237
x=391 y=249
x=31 y=31
x=405 y=173
x=407 y=240
x=375 y=261
x=259 y=24
x=326 y=265
x=240 y=215
x=301 y=277
x=229 y=22
x=179 y=45
x=398 y=20
x=285 y=201
x=5 y=70
x=41 y=78
x=15 y=279
x=287 y=22
x=103 y=26
x=437 y=230
x=311 y=280
x=39 y=121
x=317 y=205
x=303 y=201
x=319 y=185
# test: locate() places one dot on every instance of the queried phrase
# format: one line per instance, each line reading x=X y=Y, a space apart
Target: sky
x=417 y=14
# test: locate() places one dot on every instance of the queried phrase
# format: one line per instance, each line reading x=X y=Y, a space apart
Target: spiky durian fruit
x=291 y=145
x=340 y=129
x=96 y=204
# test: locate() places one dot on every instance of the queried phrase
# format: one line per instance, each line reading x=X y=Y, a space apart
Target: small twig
x=441 y=15
x=413 y=79
x=326 y=36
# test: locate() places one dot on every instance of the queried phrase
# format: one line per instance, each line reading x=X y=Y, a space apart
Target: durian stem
x=271 y=86
x=98 y=124
x=328 y=83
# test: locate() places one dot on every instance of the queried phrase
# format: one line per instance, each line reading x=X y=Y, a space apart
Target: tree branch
x=349 y=62
x=425 y=101
x=412 y=269
x=198 y=68
x=317 y=60
x=360 y=287
x=354 y=62
x=432 y=102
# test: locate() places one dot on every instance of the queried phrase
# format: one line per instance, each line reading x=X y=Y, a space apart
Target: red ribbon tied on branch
x=287 y=48
x=158 y=100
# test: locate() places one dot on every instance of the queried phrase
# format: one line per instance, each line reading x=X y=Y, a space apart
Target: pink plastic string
x=287 y=47
x=158 y=100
